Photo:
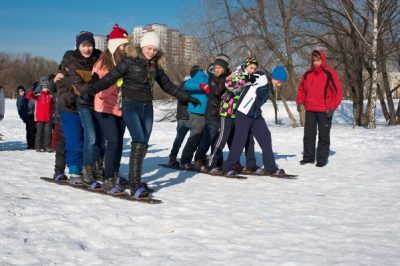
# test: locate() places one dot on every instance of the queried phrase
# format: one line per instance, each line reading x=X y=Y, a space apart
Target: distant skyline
x=48 y=28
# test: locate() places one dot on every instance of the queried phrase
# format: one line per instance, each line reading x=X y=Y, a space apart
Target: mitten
x=205 y=88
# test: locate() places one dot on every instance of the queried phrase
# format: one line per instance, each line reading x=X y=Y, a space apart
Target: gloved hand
x=85 y=96
x=95 y=78
x=205 y=88
x=300 y=108
x=252 y=78
x=329 y=113
x=194 y=101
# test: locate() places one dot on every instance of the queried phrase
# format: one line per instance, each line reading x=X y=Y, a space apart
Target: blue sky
x=48 y=28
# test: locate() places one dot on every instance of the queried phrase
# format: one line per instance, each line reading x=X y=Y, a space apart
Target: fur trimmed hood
x=133 y=51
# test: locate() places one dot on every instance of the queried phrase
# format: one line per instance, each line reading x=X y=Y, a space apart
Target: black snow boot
x=99 y=170
x=138 y=151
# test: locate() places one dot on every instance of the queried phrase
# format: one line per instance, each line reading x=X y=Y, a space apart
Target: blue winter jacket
x=192 y=86
x=22 y=107
x=254 y=102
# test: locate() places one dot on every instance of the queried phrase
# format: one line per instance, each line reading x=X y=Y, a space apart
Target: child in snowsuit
x=249 y=119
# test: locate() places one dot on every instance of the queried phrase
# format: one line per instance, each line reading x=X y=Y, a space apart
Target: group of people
x=36 y=109
x=99 y=94
x=231 y=114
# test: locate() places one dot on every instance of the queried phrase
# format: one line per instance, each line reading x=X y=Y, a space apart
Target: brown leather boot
x=199 y=166
x=173 y=162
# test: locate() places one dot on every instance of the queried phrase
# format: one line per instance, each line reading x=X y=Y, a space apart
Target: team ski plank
x=124 y=196
x=193 y=170
x=240 y=176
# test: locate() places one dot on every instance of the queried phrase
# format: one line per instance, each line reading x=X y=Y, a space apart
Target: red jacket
x=43 y=104
x=320 y=88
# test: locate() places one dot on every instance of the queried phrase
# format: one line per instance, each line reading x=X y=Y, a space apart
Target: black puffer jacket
x=79 y=63
x=66 y=98
x=182 y=108
x=217 y=85
x=139 y=75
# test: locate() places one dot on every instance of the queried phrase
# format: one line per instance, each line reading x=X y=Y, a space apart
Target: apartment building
x=177 y=46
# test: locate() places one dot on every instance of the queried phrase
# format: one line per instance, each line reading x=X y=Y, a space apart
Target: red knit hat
x=117 y=37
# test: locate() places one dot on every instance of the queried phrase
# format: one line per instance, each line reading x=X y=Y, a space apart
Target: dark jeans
x=182 y=129
x=30 y=127
x=314 y=120
x=59 y=166
x=73 y=135
x=244 y=126
x=93 y=137
x=138 y=117
x=43 y=135
x=226 y=133
x=55 y=136
x=196 y=125
x=208 y=138
x=113 y=128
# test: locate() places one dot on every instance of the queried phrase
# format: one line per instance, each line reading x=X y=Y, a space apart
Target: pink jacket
x=106 y=101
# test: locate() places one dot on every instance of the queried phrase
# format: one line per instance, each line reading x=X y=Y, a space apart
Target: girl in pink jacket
x=108 y=111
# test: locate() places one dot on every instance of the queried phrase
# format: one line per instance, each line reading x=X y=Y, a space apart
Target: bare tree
x=24 y=70
x=4 y=59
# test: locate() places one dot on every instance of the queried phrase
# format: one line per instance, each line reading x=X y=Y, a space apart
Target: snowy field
x=347 y=213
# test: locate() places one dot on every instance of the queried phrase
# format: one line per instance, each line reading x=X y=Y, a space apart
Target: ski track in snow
x=346 y=213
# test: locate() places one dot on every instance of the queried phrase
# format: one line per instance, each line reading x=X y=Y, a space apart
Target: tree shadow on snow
x=12 y=145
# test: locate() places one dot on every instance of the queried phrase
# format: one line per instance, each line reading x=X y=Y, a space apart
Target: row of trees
x=22 y=70
x=361 y=38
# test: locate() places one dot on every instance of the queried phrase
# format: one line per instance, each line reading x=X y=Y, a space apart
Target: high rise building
x=100 y=42
x=178 y=47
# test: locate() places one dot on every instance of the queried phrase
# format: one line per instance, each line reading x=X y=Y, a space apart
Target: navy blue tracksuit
x=249 y=119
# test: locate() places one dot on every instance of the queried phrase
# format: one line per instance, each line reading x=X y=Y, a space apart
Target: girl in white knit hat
x=139 y=70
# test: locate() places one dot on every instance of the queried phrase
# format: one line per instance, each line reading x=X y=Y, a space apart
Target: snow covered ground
x=347 y=213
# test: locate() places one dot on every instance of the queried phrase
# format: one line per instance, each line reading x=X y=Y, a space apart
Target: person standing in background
x=43 y=113
x=320 y=94
x=22 y=108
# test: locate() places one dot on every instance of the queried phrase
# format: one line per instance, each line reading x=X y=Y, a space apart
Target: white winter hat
x=150 y=38
x=117 y=37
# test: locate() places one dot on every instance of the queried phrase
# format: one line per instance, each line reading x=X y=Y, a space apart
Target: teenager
x=249 y=120
x=139 y=70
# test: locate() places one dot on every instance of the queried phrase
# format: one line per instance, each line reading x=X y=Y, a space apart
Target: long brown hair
x=106 y=59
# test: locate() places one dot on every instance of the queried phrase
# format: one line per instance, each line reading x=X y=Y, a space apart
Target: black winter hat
x=84 y=36
x=20 y=87
x=222 y=60
x=194 y=70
